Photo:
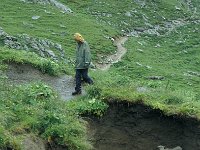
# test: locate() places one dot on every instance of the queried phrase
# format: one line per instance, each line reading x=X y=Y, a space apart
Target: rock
x=43 y=47
x=48 y=12
x=156 y=77
x=157 y=45
x=59 y=5
x=142 y=89
x=51 y=54
x=177 y=8
x=62 y=26
x=139 y=64
x=140 y=43
x=55 y=3
x=148 y=24
x=140 y=29
x=140 y=50
x=27 y=24
x=179 y=42
x=2 y=33
x=194 y=73
x=128 y=14
x=148 y=67
x=160 y=147
x=152 y=32
x=35 y=17
x=142 y=3
x=158 y=30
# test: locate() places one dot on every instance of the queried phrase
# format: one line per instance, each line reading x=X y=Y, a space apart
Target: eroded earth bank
x=138 y=127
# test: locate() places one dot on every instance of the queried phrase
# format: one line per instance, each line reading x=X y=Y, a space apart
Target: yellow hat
x=78 y=37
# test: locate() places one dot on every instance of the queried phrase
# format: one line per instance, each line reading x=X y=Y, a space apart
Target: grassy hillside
x=163 y=42
x=54 y=25
x=129 y=14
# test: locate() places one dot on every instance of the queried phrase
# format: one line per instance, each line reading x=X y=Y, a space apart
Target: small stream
x=138 y=127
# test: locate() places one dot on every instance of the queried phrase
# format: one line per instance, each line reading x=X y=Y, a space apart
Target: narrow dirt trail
x=64 y=85
x=117 y=56
x=24 y=74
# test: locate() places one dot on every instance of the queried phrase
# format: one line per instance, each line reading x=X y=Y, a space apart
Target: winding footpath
x=119 y=42
x=64 y=85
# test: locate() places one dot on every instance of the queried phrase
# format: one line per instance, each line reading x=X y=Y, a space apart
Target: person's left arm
x=87 y=55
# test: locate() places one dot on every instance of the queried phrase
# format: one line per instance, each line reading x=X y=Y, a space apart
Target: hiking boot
x=76 y=93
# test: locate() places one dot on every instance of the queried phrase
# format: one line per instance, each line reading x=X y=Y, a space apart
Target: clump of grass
x=35 y=108
x=86 y=106
x=24 y=57
x=173 y=100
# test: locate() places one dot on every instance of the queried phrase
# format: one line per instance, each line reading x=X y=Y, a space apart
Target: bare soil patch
x=138 y=127
x=25 y=73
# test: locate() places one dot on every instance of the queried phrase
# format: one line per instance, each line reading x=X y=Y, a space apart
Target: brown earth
x=138 y=127
x=25 y=73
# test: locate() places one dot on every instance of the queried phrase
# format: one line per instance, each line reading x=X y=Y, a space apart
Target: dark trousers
x=82 y=74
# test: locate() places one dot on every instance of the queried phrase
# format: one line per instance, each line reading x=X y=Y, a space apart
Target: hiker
x=83 y=60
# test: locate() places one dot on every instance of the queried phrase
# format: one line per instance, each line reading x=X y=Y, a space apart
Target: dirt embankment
x=138 y=127
x=24 y=73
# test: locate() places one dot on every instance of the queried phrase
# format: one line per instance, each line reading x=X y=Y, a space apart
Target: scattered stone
x=140 y=50
x=142 y=3
x=148 y=67
x=48 y=12
x=142 y=89
x=55 y=3
x=179 y=42
x=139 y=64
x=183 y=51
x=62 y=26
x=160 y=147
x=152 y=32
x=134 y=33
x=43 y=47
x=51 y=54
x=139 y=29
x=177 y=8
x=194 y=73
x=145 y=17
x=157 y=45
x=128 y=14
x=148 y=24
x=60 y=6
x=156 y=77
x=163 y=17
x=140 y=43
x=2 y=33
x=28 y=24
x=158 y=30
x=35 y=17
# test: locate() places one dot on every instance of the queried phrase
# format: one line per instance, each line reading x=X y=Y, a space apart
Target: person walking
x=83 y=60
